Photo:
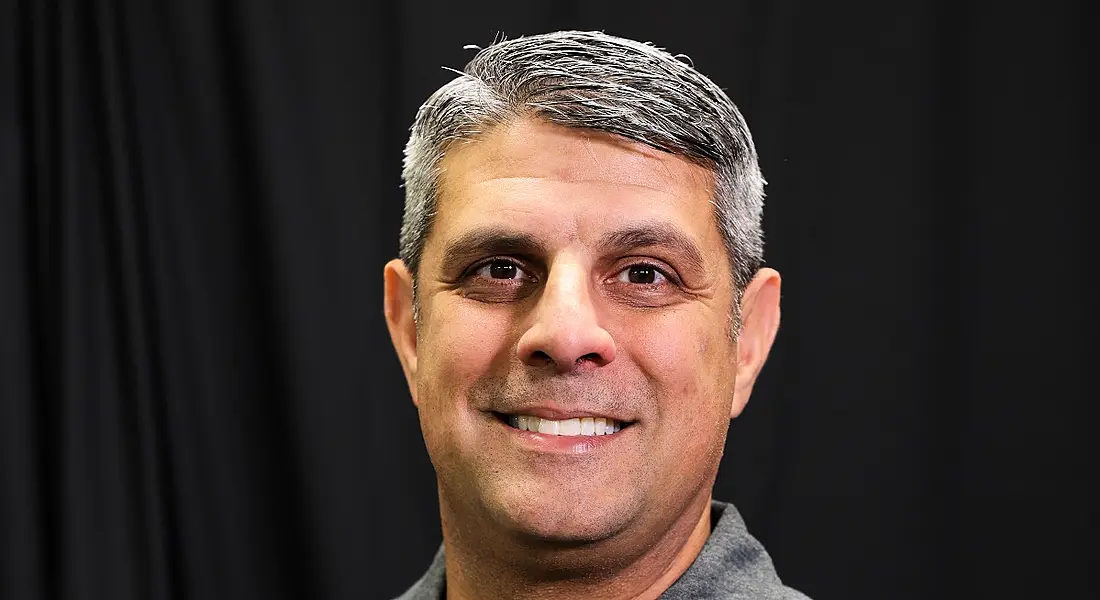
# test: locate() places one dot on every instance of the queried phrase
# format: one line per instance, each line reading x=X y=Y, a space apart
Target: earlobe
x=759 y=325
x=398 y=308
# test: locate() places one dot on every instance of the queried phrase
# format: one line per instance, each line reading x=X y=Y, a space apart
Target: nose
x=565 y=331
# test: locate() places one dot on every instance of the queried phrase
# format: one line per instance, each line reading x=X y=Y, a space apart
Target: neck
x=480 y=565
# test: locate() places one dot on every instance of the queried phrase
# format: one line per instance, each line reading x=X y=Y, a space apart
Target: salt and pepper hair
x=592 y=81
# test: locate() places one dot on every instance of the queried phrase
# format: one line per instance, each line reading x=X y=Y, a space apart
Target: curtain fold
x=198 y=398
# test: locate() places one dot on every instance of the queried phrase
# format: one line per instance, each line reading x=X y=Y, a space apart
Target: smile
x=586 y=426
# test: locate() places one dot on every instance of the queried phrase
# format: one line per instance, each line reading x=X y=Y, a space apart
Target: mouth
x=574 y=427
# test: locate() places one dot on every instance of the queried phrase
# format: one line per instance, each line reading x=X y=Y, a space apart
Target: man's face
x=570 y=274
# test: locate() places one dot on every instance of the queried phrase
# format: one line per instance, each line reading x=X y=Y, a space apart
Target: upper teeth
x=583 y=426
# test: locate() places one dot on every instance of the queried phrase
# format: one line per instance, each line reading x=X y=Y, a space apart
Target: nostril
x=591 y=356
x=541 y=356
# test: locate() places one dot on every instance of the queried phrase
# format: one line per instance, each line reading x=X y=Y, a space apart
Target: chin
x=562 y=533
x=563 y=537
x=560 y=516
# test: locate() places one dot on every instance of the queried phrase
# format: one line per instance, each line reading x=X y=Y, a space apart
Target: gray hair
x=593 y=81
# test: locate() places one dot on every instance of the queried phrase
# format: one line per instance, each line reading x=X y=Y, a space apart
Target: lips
x=587 y=426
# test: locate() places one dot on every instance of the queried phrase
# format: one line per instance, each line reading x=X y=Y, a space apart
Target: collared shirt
x=732 y=565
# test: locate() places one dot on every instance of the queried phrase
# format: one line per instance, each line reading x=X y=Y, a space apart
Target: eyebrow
x=485 y=241
x=649 y=235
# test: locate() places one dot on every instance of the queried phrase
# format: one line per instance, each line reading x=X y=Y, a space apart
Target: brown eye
x=642 y=275
x=502 y=270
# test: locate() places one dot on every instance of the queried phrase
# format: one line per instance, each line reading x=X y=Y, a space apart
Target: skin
x=529 y=300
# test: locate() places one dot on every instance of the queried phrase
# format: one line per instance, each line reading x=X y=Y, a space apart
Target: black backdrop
x=198 y=398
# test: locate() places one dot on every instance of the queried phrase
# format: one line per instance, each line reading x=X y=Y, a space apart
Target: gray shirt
x=732 y=565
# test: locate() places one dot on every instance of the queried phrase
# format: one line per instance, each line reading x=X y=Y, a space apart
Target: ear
x=398 y=307
x=759 y=324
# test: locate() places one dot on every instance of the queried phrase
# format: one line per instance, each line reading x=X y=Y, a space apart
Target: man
x=579 y=310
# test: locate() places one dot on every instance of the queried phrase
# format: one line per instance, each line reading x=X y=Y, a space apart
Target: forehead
x=537 y=176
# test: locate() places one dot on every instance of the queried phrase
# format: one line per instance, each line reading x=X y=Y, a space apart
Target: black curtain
x=198 y=397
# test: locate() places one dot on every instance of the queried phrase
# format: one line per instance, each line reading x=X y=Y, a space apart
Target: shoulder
x=432 y=584
x=733 y=565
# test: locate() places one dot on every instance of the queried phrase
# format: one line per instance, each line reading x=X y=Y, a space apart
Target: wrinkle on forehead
x=641 y=186
x=570 y=186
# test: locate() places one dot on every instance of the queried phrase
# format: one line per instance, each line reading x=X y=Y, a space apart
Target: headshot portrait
x=545 y=300
x=580 y=307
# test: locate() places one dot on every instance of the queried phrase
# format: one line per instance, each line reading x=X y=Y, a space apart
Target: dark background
x=198 y=397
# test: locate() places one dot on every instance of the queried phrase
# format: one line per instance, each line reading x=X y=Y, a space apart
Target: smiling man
x=579 y=310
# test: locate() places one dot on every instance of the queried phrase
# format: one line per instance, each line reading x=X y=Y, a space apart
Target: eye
x=642 y=274
x=500 y=269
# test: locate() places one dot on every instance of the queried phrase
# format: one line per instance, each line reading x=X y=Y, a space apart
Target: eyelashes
x=641 y=273
x=500 y=266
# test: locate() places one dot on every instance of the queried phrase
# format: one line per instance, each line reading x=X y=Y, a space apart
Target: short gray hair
x=593 y=81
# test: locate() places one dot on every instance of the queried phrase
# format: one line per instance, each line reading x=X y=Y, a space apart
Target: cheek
x=459 y=344
x=690 y=365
